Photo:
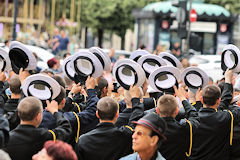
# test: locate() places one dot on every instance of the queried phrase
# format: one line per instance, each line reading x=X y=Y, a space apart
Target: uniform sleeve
x=63 y=129
x=89 y=114
x=197 y=105
x=191 y=114
x=226 y=96
x=4 y=131
x=137 y=111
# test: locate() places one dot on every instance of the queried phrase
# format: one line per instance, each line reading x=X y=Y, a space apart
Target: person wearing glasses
x=147 y=137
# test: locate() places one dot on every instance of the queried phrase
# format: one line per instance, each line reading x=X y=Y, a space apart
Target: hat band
x=78 y=71
x=170 y=60
x=43 y=83
x=100 y=59
x=171 y=90
x=66 y=71
x=136 y=58
x=152 y=127
x=4 y=63
x=223 y=65
x=150 y=60
x=189 y=84
x=125 y=86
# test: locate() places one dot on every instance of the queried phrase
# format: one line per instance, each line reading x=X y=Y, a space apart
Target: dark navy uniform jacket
x=86 y=119
x=108 y=142
x=213 y=137
x=26 y=140
x=178 y=134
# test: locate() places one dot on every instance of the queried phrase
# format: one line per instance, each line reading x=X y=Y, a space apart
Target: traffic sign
x=193 y=15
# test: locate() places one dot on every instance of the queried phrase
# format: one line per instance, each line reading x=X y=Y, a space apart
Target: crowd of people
x=101 y=120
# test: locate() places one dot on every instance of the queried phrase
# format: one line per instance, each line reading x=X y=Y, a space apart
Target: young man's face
x=141 y=139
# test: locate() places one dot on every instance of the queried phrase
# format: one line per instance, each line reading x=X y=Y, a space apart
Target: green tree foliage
x=231 y=5
x=110 y=15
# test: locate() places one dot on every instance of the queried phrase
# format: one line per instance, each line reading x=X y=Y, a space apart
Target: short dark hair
x=107 y=108
x=29 y=107
x=211 y=94
x=47 y=71
x=61 y=95
x=60 y=80
x=15 y=84
x=68 y=81
x=167 y=105
x=102 y=83
x=66 y=54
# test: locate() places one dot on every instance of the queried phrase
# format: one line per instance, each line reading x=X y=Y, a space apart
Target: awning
x=202 y=9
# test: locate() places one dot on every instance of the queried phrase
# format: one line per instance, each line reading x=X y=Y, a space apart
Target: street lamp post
x=14 y=35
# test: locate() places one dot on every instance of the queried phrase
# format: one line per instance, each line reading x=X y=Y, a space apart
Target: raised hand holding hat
x=230 y=58
x=21 y=57
x=194 y=78
x=128 y=72
x=164 y=78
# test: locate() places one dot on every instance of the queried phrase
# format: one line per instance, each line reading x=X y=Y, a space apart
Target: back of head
x=60 y=150
x=68 y=81
x=15 y=84
x=210 y=95
x=61 y=95
x=60 y=80
x=167 y=105
x=107 y=108
x=28 y=108
x=102 y=83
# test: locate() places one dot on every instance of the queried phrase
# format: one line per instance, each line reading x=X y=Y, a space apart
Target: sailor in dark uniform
x=26 y=140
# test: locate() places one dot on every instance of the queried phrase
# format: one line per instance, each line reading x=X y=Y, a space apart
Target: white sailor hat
x=164 y=78
x=150 y=63
x=5 y=64
x=128 y=72
x=67 y=68
x=21 y=57
x=137 y=54
x=230 y=58
x=194 y=78
x=171 y=60
x=84 y=64
x=102 y=56
x=41 y=86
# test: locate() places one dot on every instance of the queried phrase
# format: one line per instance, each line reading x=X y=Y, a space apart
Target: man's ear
x=218 y=101
x=63 y=101
x=176 y=112
x=117 y=114
x=38 y=116
x=97 y=115
x=154 y=140
x=202 y=100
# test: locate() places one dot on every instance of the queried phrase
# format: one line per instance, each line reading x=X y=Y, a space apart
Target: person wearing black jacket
x=108 y=141
x=80 y=121
x=213 y=137
x=3 y=86
x=26 y=140
x=178 y=133
x=10 y=107
x=4 y=131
